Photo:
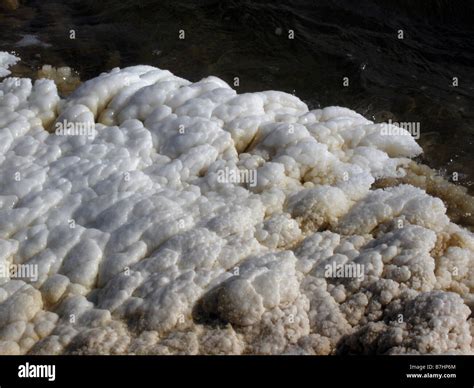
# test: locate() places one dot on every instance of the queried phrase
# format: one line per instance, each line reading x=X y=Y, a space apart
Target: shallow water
x=404 y=80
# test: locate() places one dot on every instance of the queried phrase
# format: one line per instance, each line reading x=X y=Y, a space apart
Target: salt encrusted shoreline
x=142 y=249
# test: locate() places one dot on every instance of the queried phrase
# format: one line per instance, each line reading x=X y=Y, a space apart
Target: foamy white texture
x=6 y=60
x=141 y=249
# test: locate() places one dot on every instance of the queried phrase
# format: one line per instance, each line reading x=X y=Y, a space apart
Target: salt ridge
x=142 y=249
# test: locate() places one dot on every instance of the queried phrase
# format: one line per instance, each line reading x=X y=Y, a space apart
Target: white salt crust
x=6 y=60
x=140 y=248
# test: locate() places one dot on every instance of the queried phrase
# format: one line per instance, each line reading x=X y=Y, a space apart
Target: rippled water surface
x=405 y=80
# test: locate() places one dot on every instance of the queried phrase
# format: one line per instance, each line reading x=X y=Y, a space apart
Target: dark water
x=407 y=80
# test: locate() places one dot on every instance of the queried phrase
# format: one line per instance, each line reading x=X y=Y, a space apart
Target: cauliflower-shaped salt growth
x=407 y=203
x=6 y=60
x=430 y=323
x=161 y=216
x=261 y=284
x=455 y=267
x=279 y=231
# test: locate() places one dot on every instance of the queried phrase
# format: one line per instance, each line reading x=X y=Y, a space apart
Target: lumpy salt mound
x=186 y=218
x=7 y=60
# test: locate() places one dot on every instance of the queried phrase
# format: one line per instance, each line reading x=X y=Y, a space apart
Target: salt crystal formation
x=6 y=60
x=142 y=247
